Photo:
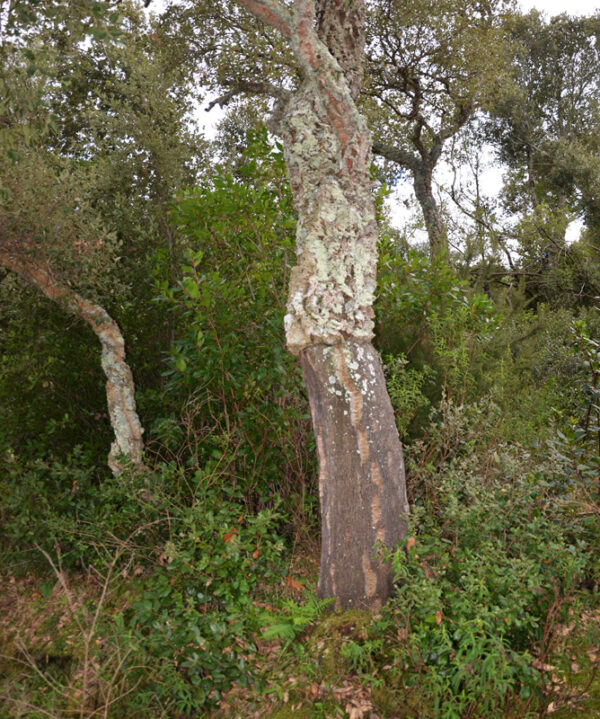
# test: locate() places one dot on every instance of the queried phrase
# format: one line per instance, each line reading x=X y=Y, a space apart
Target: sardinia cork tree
x=329 y=321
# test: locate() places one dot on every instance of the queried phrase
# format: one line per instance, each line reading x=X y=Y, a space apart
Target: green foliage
x=240 y=388
x=484 y=591
x=577 y=442
x=52 y=389
x=434 y=331
x=293 y=618
x=191 y=558
x=493 y=565
x=405 y=386
x=194 y=617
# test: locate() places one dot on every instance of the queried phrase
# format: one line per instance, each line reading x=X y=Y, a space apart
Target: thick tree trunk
x=434 y=224
x=120 y=392
x=329 y=321
x=361 y=471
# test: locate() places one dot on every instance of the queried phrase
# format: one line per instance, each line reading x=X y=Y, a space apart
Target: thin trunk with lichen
x=329 y=321
x=128 y=445
x=434 y=224
x=421 y=167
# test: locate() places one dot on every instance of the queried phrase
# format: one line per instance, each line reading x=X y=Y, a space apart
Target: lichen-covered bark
x=120 y=391
x=329 y=320
x=332 y=286
x=327 y=148
x=436 y=228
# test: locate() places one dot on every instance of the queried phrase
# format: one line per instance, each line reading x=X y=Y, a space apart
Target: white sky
x=555 y=7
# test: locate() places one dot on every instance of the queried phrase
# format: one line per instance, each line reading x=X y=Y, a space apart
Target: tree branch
x=120 y=390
x=249 y=88
x=271 y=12
x=396 y=154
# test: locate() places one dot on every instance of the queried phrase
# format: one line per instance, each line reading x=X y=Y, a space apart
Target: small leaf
x=294 y=584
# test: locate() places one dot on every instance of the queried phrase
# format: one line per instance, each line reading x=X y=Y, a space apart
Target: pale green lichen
x=332 y=288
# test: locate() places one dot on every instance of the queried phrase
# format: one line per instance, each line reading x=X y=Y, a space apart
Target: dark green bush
x=482 y=593
x=494 y=563
x=195 y=616
x=230 y=385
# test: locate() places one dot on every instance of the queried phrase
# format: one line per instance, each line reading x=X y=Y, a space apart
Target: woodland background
x=187 y=589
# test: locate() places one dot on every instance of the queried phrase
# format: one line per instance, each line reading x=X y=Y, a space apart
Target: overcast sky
x=555 y=7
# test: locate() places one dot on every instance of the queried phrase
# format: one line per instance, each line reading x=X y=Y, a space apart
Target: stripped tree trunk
x=120 y=392
x=329 y=321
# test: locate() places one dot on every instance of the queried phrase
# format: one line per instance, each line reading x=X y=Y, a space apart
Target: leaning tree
x=329 y=321
x=51 y=235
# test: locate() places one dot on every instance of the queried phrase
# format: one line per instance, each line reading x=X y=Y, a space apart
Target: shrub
x=194 y=619
x=481 y=594
x=494 y=564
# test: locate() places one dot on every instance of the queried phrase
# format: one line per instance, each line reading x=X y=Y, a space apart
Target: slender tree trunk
x=436 y=228
x=329 y=321
x=120 y=392
x=421 y=167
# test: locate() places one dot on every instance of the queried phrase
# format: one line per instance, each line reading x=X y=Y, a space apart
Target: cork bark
x=329 y=320
x=361 y=471
x=120 y=391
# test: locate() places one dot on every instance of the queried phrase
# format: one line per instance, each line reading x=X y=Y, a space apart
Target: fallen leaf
x=438 y=617
x=294 y=584
x=410 y=543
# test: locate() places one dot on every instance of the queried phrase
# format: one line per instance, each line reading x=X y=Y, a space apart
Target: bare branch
x=271 y=12
x=249 y=88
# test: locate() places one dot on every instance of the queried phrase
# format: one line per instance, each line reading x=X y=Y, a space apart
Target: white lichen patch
x=332 y=287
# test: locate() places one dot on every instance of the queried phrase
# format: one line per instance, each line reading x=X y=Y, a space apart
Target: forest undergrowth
x=189 y=589
x=186 y=587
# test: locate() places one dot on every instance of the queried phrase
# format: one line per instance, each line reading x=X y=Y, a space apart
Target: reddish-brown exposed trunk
x=361 y=471
x=329 y=321
x=120 y=392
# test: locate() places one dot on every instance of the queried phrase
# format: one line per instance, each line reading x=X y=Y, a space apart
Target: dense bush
x=195 y=615
x=493 y=566
x=231 y=387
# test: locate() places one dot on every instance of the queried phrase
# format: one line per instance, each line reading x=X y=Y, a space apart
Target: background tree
x=123 y=136
x=431 y=66
x=51 y=237
x=545 y=125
